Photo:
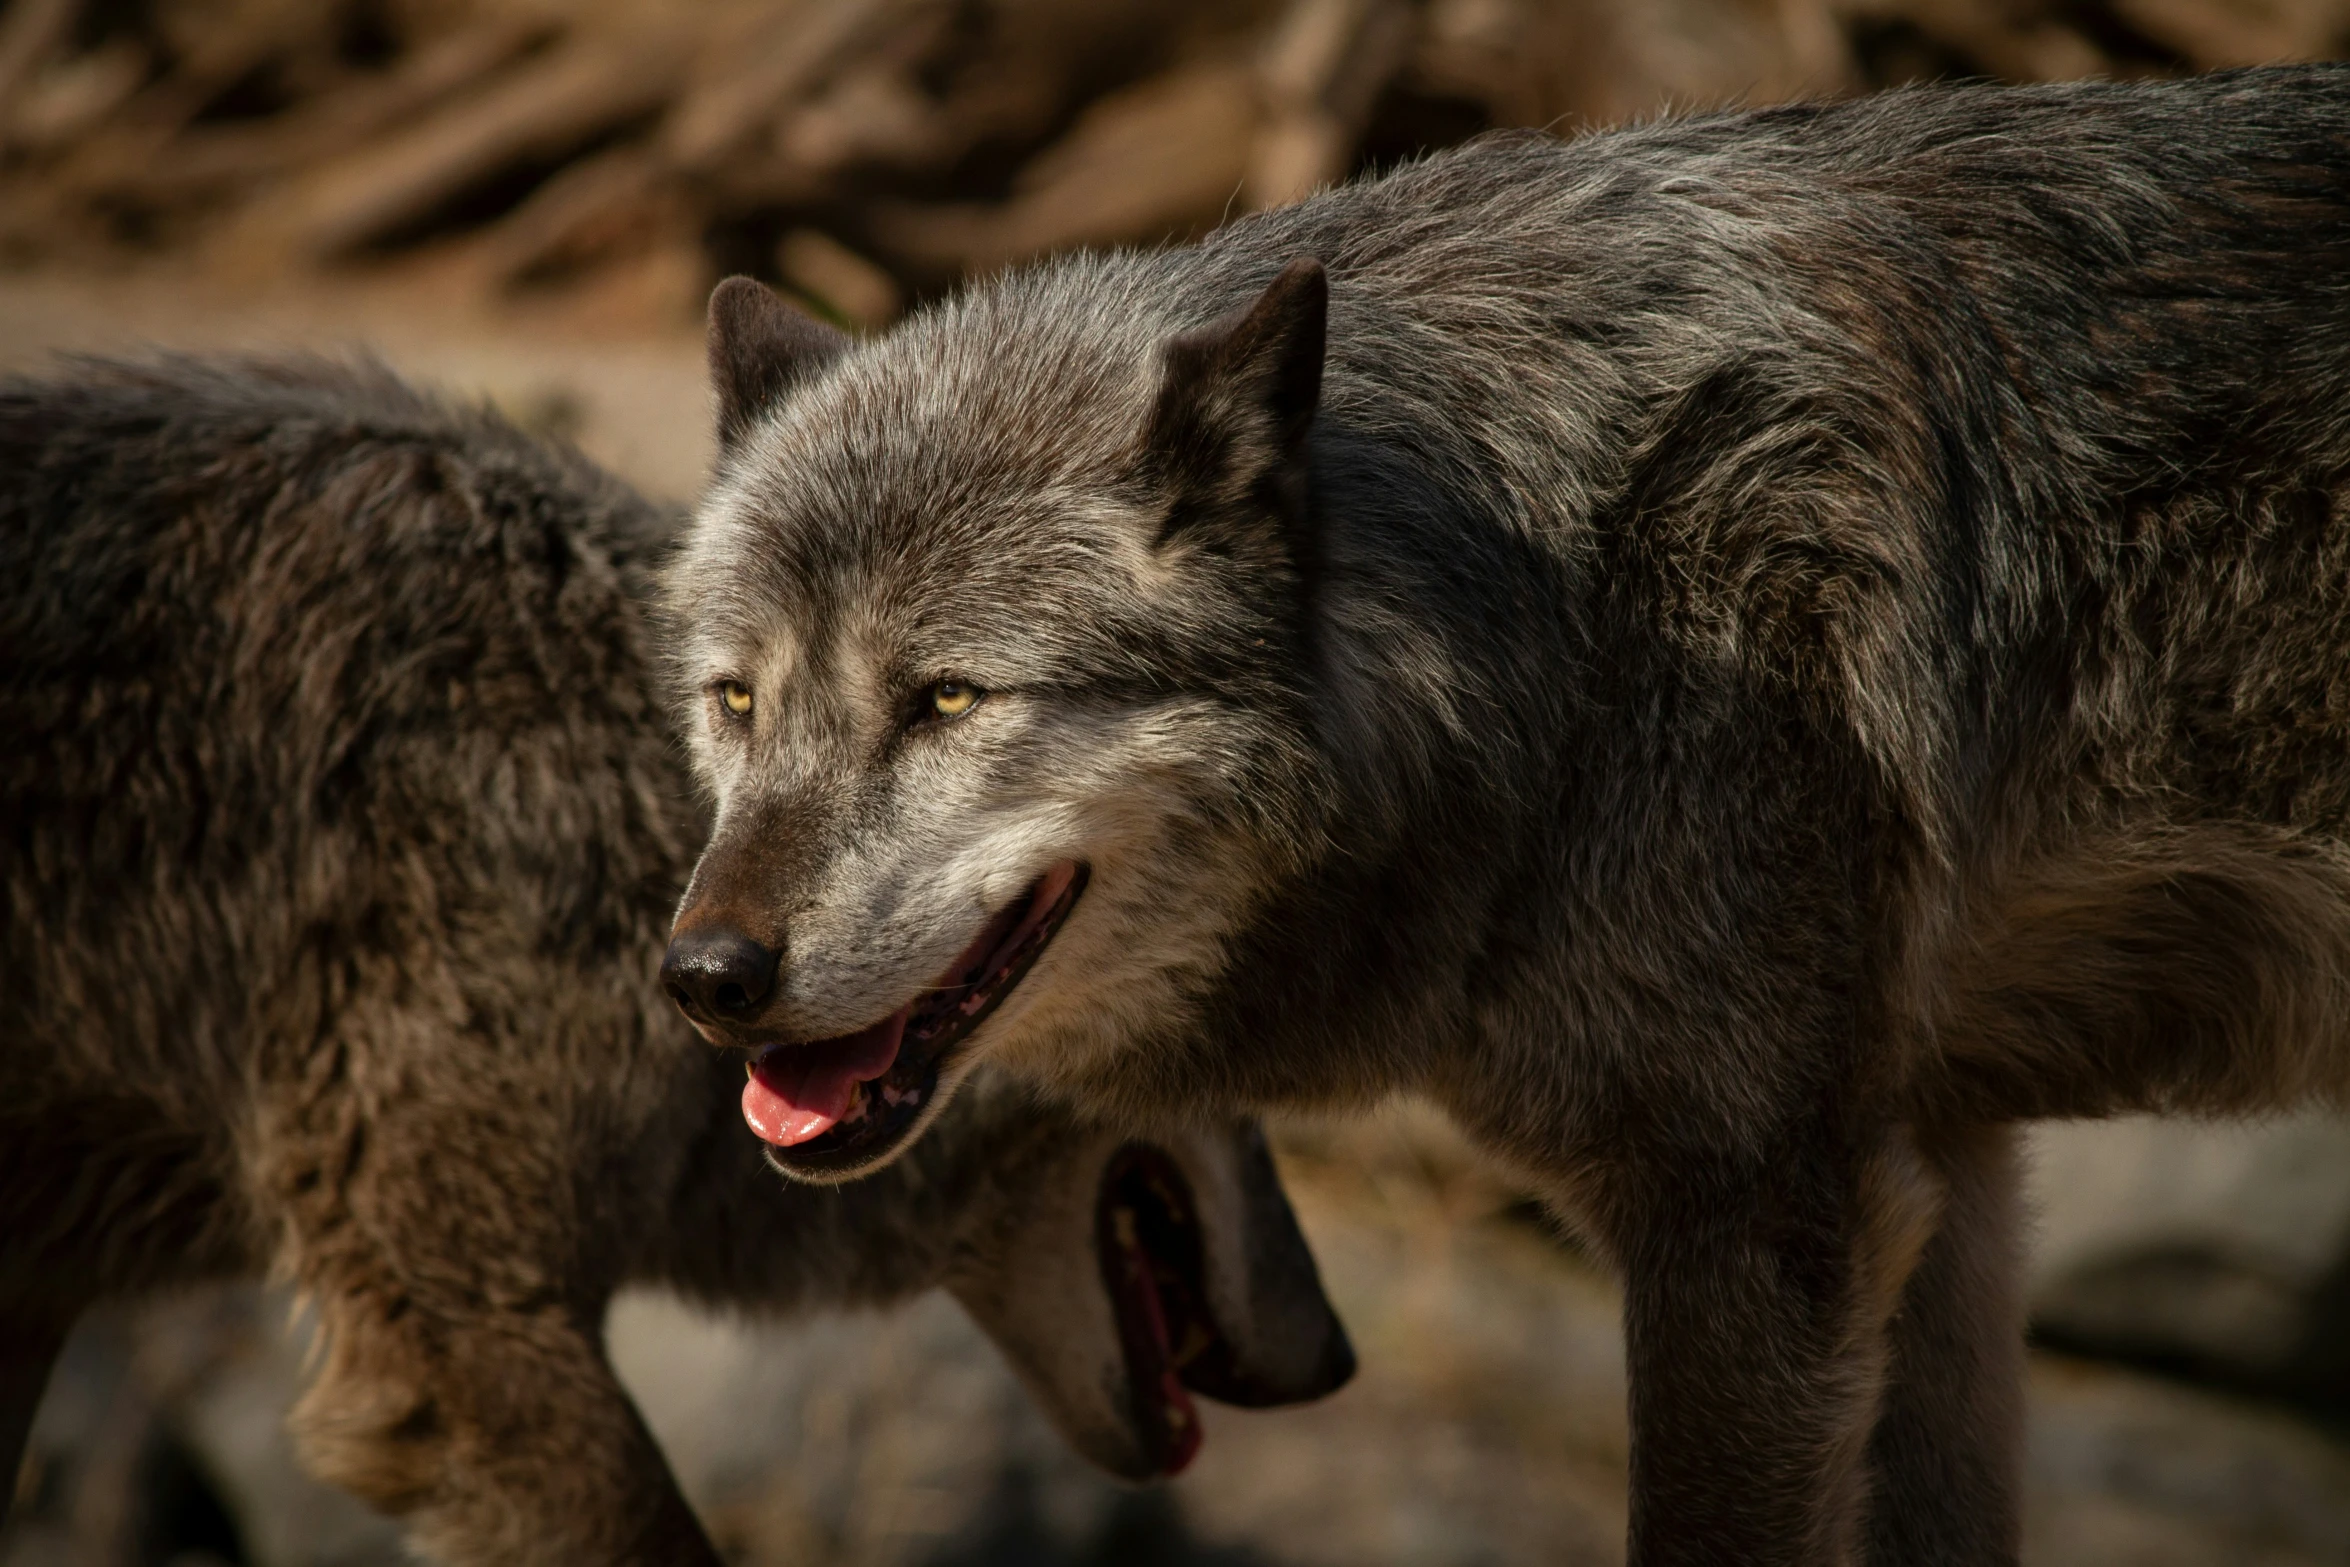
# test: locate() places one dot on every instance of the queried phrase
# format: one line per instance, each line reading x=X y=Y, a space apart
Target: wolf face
x=1120 y=1278
x=980 y=659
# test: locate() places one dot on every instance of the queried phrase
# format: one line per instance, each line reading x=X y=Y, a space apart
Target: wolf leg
x=1756 y=1297
x=499 y=1437
x=1944 y=1457
x=29 y=1343
x=461 y=1257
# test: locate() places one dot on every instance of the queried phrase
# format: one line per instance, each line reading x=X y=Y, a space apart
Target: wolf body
x=342 y=832
x=1744 y=656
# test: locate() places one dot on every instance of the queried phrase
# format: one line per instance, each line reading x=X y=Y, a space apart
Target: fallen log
x=1163 y=159
x=31 y=33
x=2213 y=35
x=547 y=106
x=1317 y=78
x=615 y=201
x=718 y=116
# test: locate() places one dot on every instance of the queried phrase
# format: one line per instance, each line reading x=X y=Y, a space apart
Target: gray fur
x=342 y=831
x=1796 y=639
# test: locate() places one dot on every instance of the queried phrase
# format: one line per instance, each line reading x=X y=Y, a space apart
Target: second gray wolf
x=340 y=831
x=1743 y=656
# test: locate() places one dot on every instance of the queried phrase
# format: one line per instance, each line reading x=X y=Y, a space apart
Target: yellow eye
x=736 y=696
x=952 y=698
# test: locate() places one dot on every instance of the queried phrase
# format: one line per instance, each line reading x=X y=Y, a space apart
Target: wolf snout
x=718 y=975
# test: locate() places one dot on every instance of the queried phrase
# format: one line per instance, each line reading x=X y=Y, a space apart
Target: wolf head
x=989 y=636
x=1120 y=1278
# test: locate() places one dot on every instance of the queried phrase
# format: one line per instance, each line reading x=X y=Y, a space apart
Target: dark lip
x=939 y=1024
x=1152 y=1249
x=1148 y=1238
x=1146 y=1235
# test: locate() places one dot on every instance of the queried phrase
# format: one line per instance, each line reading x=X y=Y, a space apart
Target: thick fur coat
x=1743 y=656
x=340 y=832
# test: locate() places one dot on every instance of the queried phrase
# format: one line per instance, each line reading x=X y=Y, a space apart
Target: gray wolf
x=1743 y=656
x=343 y=829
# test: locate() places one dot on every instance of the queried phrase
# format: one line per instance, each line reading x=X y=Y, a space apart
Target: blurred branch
x=542 y=110
x=869 y=150
x=1318 y=78
x=30 y=32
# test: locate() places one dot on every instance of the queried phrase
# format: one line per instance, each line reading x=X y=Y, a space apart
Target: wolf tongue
x=801 y=1091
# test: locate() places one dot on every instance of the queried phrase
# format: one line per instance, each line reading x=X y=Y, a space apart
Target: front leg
x=1944 y=1459
x=460 y=1258
x=497 y=1436
x=1757 y=1294
x=30 y=1338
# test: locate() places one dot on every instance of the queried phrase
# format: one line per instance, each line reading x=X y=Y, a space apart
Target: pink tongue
x=801 y=1091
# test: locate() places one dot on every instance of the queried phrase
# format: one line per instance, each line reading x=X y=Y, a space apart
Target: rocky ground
x=1487 y=1424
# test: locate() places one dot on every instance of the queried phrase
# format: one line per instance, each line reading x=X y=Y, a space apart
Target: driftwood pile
x=868 y=151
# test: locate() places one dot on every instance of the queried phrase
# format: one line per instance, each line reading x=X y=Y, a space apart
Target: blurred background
x=527 y=202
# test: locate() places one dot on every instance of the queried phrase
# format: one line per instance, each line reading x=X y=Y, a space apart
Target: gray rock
x=2221 y=1249
x=161 y=1439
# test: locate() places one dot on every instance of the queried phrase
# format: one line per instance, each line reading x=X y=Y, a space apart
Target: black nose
x=714 y=974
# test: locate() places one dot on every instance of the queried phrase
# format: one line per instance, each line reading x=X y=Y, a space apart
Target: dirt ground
x=1486 y=1426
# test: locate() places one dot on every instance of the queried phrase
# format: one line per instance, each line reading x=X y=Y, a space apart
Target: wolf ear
x=759 y=347
x=1238 y=396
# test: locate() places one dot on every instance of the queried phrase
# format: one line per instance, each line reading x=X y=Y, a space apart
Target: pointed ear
x=759 y=348
x=1238 y=397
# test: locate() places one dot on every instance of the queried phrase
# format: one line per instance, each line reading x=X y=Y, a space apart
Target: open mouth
x=834 y=1105
x=1147 y=1232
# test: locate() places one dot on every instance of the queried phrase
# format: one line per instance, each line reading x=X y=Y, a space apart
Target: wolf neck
x=1424 y=651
